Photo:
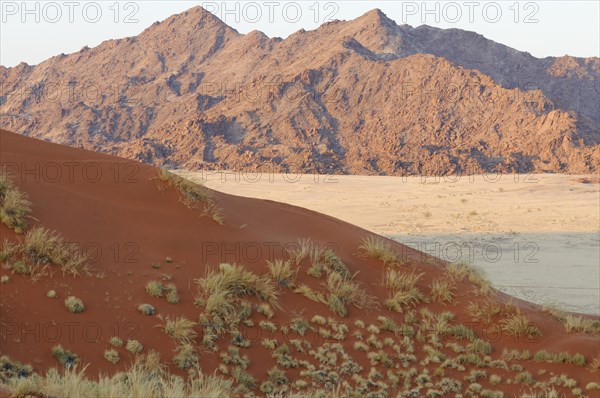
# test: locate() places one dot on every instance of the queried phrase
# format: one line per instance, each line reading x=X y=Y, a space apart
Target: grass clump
x=518 y=325
x=74 y=304
x=14 y=204
x=52 y=294
x=180 y=329
x=172 y=294
x=42 y=246
x=403 y=289
x=442 y=290
x=65 y=357
x=146 y=309
x=484 y=311
x=307 y=292
x=185 y=356
x=154 y=289
x=379 y=249
x=300 y=326
x=462 y=271
x=4 y=279
x=577 y=323
x=343 y=292
x=147 y=378
x=191 y=194
x=112 y=356
x=134 y=346
x=282 y=273
x=221 y=293
x=116 y=341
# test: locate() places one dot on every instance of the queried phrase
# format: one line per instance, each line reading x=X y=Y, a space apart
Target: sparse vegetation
x=180 y=329
x=146 y=309
x=484 y=311
x=74 y=304
x=518 y=324
x=343 y=292
x=403 y=289
x=14 y=204
x=460 y=271
x=307 y=292
x=380 y=250
x=145 y=378
x=41 y=248
x=442 y=290
x=65 y=357
x=116 y=341
x=282 y=272
x=154 y=289
x=191 y=194
x=185 y=356
x=52 y=294
x=112 y=355
x=134 y=346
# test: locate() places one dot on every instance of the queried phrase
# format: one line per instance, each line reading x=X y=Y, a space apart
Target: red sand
x=134 y=224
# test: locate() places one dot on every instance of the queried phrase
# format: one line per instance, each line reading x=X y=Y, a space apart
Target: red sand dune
x=113 y=207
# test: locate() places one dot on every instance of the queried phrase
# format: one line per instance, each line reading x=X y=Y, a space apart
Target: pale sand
x=502 y=225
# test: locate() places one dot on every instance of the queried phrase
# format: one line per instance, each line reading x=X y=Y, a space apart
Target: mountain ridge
x=172 y=96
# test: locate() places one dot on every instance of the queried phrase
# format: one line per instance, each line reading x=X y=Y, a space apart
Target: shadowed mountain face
x=365 y=97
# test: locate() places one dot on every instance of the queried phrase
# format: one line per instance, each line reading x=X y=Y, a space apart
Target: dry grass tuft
x=380 y=250
x=343 y=292
x=180 y=329
x=14 y=204
x=281 y=271
x=147 y=377
x=461 y=271
x=191 y=194
x=442 y=290
x=307 y=292
x=518 y=325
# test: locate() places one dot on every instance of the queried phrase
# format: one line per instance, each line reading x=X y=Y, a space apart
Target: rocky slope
x=365 y=97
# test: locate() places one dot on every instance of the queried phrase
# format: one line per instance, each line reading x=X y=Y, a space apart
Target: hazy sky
x=32 y=31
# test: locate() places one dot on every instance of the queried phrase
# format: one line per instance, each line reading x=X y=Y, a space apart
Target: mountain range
x=366 y=96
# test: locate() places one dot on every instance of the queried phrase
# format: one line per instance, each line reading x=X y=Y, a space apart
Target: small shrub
x=299 y=325
x=116 y=341
x=112 y=356
x=65 y=357
x=74 y=304
x=268 y=326
x=146 y=309
x=172 y=294
x=185 y=356
x=4 y=279
x=266 y=310
x=154 y=289
x=52 y=294
x=21 y=268
x=134 y=346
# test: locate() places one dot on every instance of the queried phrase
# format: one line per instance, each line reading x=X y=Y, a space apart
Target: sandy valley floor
x=537 y=236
